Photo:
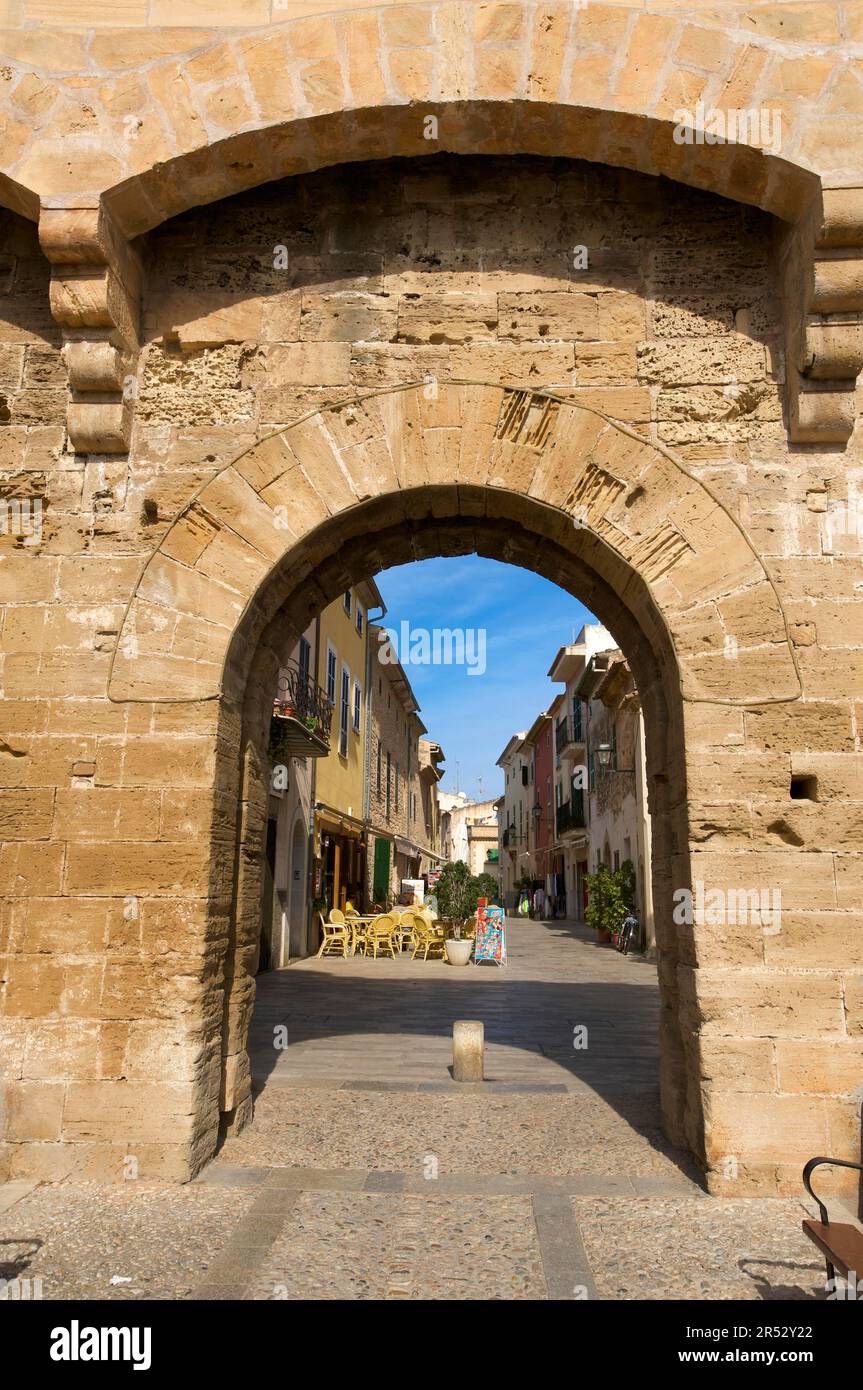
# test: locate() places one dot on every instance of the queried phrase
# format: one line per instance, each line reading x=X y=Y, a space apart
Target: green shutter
x=381 y=876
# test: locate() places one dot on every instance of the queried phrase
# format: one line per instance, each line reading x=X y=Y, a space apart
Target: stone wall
x=133 y=831
x=466 y=269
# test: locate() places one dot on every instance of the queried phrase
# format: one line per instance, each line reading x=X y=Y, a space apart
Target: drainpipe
x=367 y=758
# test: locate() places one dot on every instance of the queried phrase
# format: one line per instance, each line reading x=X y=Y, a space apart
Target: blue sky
x=525 y=619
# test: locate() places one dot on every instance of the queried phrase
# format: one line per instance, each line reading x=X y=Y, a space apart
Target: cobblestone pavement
x=368 y=1173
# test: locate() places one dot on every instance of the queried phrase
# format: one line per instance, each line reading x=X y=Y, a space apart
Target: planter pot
x=603 y=937
x=458 y=952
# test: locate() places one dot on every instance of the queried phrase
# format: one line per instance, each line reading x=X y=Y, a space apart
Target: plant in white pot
x=457 y=895
x=458 y=949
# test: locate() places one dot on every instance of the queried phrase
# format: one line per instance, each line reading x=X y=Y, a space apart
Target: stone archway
x=444 y=469
x=126 y=927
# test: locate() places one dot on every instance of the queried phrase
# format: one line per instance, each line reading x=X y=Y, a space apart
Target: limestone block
x=741 y=1064
x=33 y=1111
x=819 y=726
x=768 y=1004
x=765 y=1128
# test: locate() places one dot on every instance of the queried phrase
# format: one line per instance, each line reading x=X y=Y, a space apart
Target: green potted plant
x=610 y=897
x=456 y=898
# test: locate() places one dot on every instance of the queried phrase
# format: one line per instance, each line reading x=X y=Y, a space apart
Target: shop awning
x=412 y=851
x=338 y=823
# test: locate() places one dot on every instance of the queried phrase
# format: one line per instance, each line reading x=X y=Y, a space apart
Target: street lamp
x=602 y=753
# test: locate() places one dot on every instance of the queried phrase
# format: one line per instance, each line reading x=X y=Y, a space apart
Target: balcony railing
x=511 y=837
x=570 y=816
x=302 y=718
x=569 y=731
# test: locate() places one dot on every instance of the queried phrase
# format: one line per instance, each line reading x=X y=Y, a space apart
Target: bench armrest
x=807 y=1173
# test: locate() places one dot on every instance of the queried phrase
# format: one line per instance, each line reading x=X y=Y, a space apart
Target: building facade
x=571 y=770
x=517 y=865
x=619 y=819
x=402 y=773
x=299 y=740
x=339 y=827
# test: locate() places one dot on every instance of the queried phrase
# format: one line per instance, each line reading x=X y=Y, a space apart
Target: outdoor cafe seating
x=389 y=933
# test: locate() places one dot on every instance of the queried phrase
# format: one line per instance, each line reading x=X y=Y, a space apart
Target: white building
x=516 y=761
x=458 y=816
x=619 y=817
x=570 y=850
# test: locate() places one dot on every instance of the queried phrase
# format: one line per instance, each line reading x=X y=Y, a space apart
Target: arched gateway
x=717 y=537
x=438 y=468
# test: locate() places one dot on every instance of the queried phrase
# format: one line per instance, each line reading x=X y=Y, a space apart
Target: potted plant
x=610 y=898
x=458 y=949
x=597 y=903
x=458 y=894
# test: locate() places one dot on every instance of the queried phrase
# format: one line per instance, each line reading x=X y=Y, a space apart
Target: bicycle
x=630 y=934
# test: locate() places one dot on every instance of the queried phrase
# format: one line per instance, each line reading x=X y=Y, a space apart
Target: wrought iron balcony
x=302 y=717
x=511 y=837
x=569 y=734
x=570 y=816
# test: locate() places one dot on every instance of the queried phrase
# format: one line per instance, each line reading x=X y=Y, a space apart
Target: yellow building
x=342 y=663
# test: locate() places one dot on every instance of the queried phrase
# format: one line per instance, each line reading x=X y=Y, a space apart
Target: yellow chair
x=405 y=924
x=335 y=938
x=357 y=930
x=428 y=938
x=382 y=932
x=337 y=916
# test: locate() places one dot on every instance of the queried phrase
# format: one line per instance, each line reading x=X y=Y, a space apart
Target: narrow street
x=369 y=1173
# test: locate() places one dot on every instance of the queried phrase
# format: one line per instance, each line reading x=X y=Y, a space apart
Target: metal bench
x=840 y=1243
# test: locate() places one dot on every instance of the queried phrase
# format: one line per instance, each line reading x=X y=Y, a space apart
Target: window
x=332 y=662
x=389 y=784
x=379 y=768
x=616 y=860
x=397 y=787
x=359 y=620
x=358 y=698
x=348 y=602
x=303 y=660
x=614 y=745
x=344 y=712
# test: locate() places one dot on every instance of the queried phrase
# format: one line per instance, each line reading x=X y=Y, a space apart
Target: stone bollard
x=468 y=1043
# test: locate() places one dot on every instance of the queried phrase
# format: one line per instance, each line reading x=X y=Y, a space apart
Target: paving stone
x=371 y=1246
x=665 y=1248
